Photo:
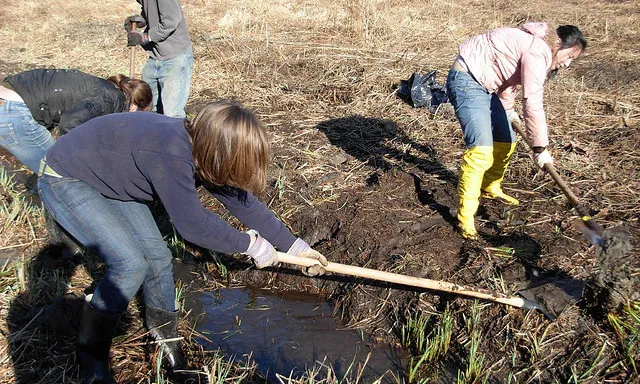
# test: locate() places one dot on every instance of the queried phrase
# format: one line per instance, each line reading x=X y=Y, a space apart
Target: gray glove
x=300 y=248
x=140 y=22
x=261 y=251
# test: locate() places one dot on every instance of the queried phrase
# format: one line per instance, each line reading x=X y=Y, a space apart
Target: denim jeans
x=170 y=80
x=21 y=135
x=481 y=114
x=124 y=236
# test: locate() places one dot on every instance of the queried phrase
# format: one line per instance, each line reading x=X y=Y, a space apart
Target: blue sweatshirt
x=142 y=156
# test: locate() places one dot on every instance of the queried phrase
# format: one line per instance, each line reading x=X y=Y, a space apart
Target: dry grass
x=300 y=64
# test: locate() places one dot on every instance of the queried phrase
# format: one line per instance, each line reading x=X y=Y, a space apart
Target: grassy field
x=366 y=177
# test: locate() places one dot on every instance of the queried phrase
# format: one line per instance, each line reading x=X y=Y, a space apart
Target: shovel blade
x=594 y=234
x=553 y=296
x=610 y=240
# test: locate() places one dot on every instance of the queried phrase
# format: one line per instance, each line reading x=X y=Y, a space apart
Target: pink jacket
x=506 y=57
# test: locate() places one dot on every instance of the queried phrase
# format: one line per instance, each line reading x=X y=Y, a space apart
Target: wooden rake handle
x=397 y=278
x=132 y=53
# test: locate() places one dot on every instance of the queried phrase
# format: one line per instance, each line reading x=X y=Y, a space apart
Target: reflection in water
x=289 y=334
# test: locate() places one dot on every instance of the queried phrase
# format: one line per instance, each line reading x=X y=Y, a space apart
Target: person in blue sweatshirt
x=96 y=182
x=38 y=105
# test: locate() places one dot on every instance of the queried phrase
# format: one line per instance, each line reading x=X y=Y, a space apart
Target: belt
x=47 y=170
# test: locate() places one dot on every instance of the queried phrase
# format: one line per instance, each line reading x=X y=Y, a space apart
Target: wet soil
x=398 y=215
x=404 y=222
x=382 y=208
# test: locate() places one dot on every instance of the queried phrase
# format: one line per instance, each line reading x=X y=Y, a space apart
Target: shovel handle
x=551 y=170
x=132 y=53
x=397 y=278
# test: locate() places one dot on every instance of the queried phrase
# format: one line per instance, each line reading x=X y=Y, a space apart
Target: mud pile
x=615 y=276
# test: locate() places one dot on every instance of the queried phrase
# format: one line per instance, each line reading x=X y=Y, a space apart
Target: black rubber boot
x=163 y=325
x=69 y=247
x=97 y=329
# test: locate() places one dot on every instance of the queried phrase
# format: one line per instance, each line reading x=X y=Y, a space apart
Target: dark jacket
x=66 y=98
x=144 y=156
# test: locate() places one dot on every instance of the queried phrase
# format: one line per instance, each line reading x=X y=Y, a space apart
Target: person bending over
x=34 y=102
x=98 y=179
x=481 y=86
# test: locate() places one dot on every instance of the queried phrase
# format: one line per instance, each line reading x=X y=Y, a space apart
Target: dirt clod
x=614 y=274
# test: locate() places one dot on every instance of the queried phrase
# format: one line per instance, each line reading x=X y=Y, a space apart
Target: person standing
x=481 y=86
x=165 y=37
x=97 y=182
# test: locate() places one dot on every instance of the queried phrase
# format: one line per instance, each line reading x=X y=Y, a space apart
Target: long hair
x=570 y=36
x=230 y=146
x=135 y=91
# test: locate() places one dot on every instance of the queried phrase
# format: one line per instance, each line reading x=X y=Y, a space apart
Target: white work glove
x=261 y=251
x=300 y=248
x=513 y=116
x=543 y=158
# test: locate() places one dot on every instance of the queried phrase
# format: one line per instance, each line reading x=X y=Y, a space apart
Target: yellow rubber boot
x=475 y=162
x=491 y=188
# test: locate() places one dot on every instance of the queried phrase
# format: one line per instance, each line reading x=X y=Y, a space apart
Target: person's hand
x=136 y=38
x=300 y=248
x=542 y=157
x=139 y=20
x=513 y=116
x=261 y=251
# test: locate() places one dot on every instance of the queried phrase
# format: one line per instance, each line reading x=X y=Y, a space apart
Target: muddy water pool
x=287 y=334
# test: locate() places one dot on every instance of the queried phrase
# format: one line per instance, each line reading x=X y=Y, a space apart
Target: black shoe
x=163 y=325
x=97 y=329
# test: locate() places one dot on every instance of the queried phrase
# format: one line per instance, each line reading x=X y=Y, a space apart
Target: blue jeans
x=21 y=135
x=124 y=236
x=481 y=114
x=170 y=80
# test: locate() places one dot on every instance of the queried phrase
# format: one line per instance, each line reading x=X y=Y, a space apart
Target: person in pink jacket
x=481 y=86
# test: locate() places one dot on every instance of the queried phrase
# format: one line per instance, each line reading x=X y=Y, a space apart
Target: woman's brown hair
x=230 y=146
x=135 y=91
